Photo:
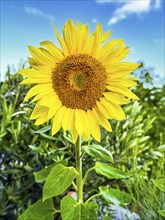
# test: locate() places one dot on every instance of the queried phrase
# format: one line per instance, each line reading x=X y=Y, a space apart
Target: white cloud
x=126 y=8
x=157 y=4
x=37 y=12
x=94 y=20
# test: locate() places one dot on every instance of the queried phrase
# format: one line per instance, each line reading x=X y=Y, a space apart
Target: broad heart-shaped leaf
x=59 y=179
x=72 y=210
x=162 y=212
x=115 y=196
x=92 y=207
x=98 y=151
x=160 y=183
x=39 y=211
x=109 y=171
x=42 y=175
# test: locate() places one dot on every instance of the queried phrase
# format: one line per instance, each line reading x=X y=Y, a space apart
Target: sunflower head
x=82 y=84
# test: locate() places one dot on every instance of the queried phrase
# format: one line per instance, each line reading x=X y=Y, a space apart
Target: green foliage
x=136 y=145
x=115 y=196
x=39 y=211
x=109 y=171
x=160 y=183
x=70 y=209
x=98 y=151
x=58 y=180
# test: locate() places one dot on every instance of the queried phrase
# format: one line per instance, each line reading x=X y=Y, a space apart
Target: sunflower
x=82 y=85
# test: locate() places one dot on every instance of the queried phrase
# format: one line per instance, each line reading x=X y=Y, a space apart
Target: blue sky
x=139 y=22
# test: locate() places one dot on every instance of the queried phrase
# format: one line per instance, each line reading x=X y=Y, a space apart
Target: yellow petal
x=123 y=54
x=69 y=33
x=40 y=66
x=36 y=80
x=108 y=48
x=88 y=47
x=31 y=73
x=87 y=131
x=118 y=112
x=116 y=98
x=53 y=109
x=37 y=89
x=82 y=36
x=41 y=120
x=41 y=57
x=57 y=120
x=66 y=119
x=124 y=91
x=105 y=36
x=115 y=110
x=61 y=41
x=97 y=39
x=55 y=51
x=49 y=99
x=120 y=82
x=101 y=119
x=105 y=103
x=34 y=63
x=104 y=110
x=94 y=126
x=121 y=69
x=38 y=111
x=112 y=56
x=40 y=96
x=79 y=121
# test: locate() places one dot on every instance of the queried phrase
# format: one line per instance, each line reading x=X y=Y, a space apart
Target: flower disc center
x=79 y=81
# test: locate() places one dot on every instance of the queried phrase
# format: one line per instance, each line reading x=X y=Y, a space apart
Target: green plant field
x=137 y=145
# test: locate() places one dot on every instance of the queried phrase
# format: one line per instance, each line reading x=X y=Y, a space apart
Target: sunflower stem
x=79 y=181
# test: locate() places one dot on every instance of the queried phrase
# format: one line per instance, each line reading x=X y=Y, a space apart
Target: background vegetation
x=137 y=145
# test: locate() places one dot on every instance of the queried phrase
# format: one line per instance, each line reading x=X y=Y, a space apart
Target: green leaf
x=48 y=136
x=43 y=130
x=93 y=208
x=18 y=113
x=115 y=196
x=98 y=151
x=109 y=171
x=42 y=175
x=162 y=212
x=72 y=210
x=160 y=183
x=59 y=179
x=106 y=218
x=39 y=211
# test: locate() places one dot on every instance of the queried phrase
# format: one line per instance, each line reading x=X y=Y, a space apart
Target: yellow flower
x=81 y=85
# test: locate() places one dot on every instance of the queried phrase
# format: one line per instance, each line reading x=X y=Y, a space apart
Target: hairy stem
x=79 y=181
